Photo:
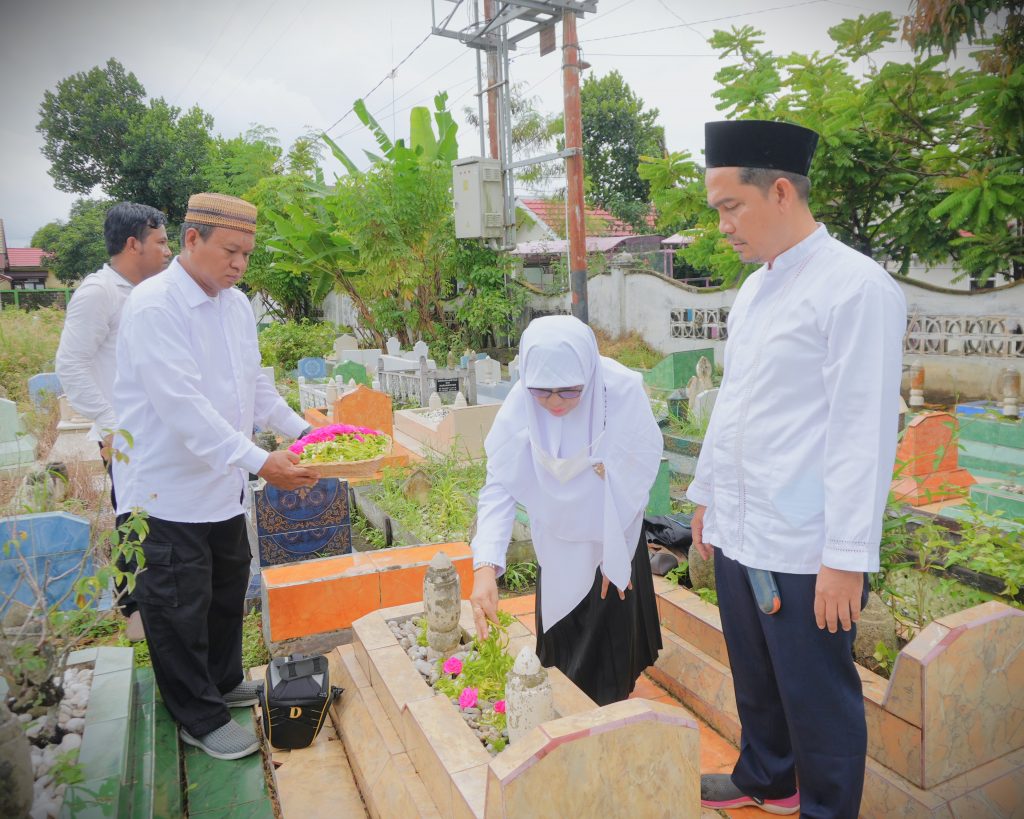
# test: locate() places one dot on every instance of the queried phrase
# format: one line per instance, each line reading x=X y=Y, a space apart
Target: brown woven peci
x=220 y=210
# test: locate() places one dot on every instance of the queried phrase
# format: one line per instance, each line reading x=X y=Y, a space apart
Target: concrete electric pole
x=574 y=167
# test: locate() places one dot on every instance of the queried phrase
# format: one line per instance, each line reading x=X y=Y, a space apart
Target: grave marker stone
x=488 y=371
x=704 y=404
x=54 y=545
x=295 y=525
x=17 y=448
x=675 y=370
x=312 y=367
x=927 y=467
x=344 y=343
x=513 y=370
x=352 y=370
x=365 y=408
x=44 y=383
x=393 y=346
x=420 y=350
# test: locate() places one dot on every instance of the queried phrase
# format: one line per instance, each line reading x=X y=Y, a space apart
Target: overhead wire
x=209 y=51
x=241 y=45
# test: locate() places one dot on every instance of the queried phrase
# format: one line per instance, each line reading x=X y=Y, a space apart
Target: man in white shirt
x=794 y=474
x=189 y=389
x=136 y=239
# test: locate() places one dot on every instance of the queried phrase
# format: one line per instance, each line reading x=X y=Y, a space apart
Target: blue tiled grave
x=315 y=367
x=41 y=383
x=53 y=544
x=303 y=523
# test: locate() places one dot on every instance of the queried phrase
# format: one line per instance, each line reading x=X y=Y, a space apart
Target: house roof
x=595 y=244
x=552 y=213
x=25 y=257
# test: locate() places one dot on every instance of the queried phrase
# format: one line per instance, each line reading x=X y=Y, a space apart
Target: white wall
x=623 y=300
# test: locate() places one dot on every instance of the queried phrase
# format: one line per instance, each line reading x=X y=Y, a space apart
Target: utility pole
x=574 y=167
x=492 y=91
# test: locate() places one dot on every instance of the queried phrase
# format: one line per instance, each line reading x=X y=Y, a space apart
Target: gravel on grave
x=48 y=796
x=425 y=660
x=435 y=415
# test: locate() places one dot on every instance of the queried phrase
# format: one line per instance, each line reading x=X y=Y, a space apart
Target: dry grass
x=629 y=350
x=28 y=344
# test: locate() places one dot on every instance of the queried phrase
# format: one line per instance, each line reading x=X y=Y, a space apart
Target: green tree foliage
x=533 y=133
x=236 y=165
x=916 y=159
x=283 y=344
x=75 y=248
x=85 y=125
x=617 y=131
x=944 y=24
x=98 y=130
x=166 y=158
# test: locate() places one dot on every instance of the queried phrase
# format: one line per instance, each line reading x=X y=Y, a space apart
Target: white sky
x=300 y=64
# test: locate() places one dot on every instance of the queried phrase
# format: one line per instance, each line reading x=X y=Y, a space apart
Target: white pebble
x=23 y=718
x=70 y=742
x=75 y=725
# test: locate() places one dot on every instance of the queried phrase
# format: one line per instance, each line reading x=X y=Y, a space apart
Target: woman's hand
x=605 y=583
x=484 y=600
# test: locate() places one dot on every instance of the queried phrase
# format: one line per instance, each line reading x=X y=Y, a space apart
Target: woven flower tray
x=353 y=469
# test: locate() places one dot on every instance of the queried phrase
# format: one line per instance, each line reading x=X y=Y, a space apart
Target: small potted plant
x=343 y=450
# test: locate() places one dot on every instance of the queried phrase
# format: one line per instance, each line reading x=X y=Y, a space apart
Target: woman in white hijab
x=575 y=443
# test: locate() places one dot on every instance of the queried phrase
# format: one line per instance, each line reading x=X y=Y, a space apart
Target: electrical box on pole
x=479 y=198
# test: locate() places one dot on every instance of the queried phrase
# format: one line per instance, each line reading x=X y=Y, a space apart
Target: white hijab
x=585 y=521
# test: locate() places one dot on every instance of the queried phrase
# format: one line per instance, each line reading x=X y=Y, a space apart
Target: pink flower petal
x=499 y=706
x=453 y=665
x=467 y=698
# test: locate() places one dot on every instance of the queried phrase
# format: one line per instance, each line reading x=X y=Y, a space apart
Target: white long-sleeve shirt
x=189 y=388
x=87 y=354
x=796 y=464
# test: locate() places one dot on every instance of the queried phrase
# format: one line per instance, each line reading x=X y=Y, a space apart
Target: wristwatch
x=483 y=564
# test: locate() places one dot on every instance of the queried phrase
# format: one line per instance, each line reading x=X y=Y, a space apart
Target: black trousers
x=799 y=696
x=126 y=600
x=603 y=646
x=191 y=596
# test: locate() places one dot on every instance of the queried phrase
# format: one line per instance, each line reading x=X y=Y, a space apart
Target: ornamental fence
x=989 y=336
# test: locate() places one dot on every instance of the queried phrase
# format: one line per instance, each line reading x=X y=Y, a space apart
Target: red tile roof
x=552 y=213
x=30 y=257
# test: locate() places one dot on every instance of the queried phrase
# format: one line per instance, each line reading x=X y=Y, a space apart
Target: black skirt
x=603 y=646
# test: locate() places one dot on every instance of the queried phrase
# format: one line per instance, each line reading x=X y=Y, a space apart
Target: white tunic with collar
x=86 y=357
x=189 y=388
x=796 y=464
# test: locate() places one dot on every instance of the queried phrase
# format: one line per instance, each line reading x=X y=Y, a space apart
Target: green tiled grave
x=227 y=788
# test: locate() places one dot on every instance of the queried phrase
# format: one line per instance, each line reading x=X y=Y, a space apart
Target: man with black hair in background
x=136 y=239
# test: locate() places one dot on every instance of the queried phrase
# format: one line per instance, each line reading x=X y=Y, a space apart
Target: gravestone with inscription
x=50 y=549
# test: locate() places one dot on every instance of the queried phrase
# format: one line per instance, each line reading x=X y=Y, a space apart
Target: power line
x=209 y=51
x=240 y=47
x=263 y=56
x=703 y=22
x=391 y=73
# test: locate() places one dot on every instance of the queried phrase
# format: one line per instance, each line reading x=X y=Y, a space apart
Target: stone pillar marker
x=916 y=384
x=442 y=602
x=528 y=697
x=435 y=401
x=460 y=400
x=1009 y=382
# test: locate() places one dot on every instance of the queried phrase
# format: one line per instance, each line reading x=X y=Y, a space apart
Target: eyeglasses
x=565 y=393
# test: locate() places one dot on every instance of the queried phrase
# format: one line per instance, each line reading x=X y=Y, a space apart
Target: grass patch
x=630 y=350
x=448 y=511
x=28 y=344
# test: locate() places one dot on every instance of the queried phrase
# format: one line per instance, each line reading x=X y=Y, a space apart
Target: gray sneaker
x=245 y=693
x=230 y=741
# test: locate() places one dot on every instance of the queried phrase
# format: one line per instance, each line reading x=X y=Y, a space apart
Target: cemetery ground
x=940 y=648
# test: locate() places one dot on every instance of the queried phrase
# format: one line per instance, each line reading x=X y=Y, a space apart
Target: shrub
x=282 y=345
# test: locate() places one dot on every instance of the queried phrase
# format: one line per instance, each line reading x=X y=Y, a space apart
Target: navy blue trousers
x=799 y=696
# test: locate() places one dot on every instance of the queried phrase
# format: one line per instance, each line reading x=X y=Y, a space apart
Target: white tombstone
x=343 y=343
x=704 y=404
x=394 y=346
x=460 y=400
x=420 y=350
x=488 y=371
x=434 y=402
x=269 y=372
x=529 y=699
x=375 y=384
x=332 y=393
x=513 y=370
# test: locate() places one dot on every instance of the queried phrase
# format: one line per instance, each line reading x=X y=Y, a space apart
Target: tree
x=85 y=126
x=98 y=130
x=912 y=156
x=944 y=24
x=75 y=248
x=533 y=133
x=617 y=131
x=166 y=158
x=235 y=166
